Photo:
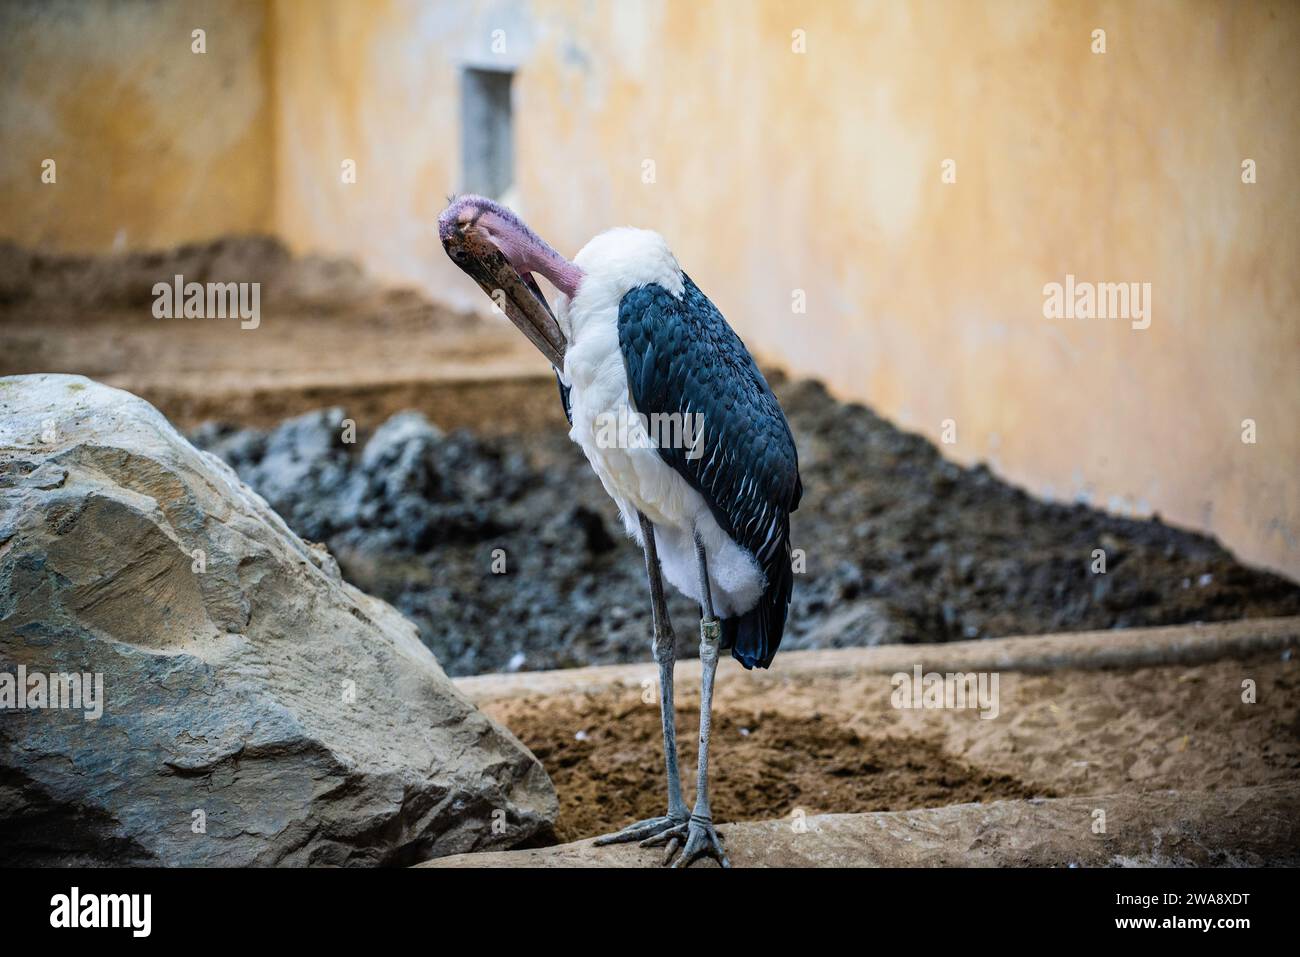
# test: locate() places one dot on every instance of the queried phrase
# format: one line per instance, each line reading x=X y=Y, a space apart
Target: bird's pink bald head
x=525 y=250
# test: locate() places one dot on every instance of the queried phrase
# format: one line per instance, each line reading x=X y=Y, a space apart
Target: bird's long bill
x=517 y=295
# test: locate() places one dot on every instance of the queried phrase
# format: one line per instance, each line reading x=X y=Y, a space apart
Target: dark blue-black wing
x=682 y=358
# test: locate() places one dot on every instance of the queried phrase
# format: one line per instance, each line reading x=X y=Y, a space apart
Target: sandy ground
x=327 y=335
x=817 y=744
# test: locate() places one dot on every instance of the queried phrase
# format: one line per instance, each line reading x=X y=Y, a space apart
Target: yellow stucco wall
x=821 y=171
x=777 y=171
x=153 y=144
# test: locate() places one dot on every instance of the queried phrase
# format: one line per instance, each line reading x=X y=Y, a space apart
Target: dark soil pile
x=507 y=553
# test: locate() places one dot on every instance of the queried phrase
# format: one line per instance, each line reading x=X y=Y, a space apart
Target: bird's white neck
x=612 y=264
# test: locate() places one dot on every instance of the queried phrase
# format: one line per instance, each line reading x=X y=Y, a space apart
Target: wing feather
x=682 y=357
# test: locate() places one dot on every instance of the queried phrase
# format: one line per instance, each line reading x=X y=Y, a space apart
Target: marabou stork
x=632 y=338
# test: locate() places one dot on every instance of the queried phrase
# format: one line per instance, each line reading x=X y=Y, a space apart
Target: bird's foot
x=699 y=837
x=642 y=830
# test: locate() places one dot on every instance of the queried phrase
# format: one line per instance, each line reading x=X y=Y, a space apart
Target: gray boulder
x=255 y=708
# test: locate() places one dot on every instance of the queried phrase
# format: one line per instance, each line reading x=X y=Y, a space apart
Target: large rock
x=256 y=708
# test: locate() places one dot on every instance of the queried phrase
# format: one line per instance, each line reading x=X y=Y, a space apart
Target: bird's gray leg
x=665 y=648
x=700 y=836
x=665 y=652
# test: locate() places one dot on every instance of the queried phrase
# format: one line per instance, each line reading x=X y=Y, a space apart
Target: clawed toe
x=702 y=840
x=673 y=838
x=641 y=831
x=694 y=838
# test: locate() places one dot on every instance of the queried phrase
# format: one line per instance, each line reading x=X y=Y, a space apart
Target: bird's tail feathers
x=755 y=636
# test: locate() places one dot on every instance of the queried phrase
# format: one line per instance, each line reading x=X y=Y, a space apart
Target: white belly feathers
x=636 y=477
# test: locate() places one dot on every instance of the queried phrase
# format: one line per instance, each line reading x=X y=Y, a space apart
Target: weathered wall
x=154 y=144
x=777 y=171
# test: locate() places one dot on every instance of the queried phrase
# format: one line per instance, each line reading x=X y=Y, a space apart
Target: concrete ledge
x=1246 y=827
x=1083 y=650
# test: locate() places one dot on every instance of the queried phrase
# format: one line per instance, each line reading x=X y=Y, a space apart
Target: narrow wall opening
x=487 y=132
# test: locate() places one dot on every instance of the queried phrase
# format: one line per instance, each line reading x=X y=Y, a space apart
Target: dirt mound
x=901 y=544
x=320 y=320
x=913 y=547
x=126 y=280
